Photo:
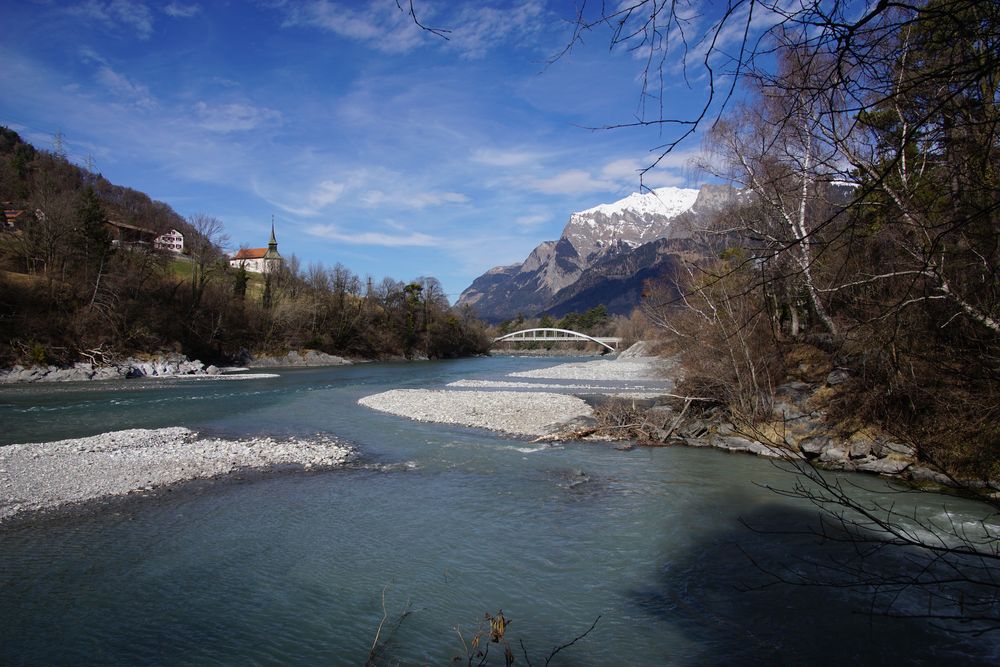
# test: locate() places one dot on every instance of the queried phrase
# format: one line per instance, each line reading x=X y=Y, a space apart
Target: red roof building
x=258 y=260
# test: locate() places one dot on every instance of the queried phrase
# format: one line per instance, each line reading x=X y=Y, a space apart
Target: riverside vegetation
x=845 y=308
x=70 y=295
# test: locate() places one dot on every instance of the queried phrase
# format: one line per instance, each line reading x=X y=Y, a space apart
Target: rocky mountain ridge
x=598 y=249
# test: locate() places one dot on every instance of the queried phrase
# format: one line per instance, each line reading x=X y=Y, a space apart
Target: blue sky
x=373 y=143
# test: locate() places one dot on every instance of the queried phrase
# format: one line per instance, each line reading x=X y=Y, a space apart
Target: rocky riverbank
x=163 y=365
x=551 y=406
x=297 y=359
x=169 y=365
x=44 y=476
x=800 y=428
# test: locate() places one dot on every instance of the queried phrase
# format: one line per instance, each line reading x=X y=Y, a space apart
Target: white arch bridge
x=549 y=335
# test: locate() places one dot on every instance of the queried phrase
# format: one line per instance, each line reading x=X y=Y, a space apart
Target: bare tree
x=205 y=249
x=898 y=102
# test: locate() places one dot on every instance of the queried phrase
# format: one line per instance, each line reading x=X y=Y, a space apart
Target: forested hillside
x=68 y=292
x=898 y=289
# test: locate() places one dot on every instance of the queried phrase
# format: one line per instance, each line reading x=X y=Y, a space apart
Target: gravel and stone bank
x=45 y=476
x=515 y=412
x=170 y=365
x=532 y=411
x=164 y=365
x=628 y=368
x=505 y=384
x=296 y=359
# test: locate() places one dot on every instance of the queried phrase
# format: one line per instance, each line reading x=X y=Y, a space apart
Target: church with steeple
x=259 y=260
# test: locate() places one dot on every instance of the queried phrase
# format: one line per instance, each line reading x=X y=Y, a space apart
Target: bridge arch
x=549 y=334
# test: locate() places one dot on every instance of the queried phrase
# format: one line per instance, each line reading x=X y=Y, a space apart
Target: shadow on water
x=723 y=595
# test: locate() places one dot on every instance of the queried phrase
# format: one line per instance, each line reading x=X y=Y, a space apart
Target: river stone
x=837 y=376
x=884 y=466
x=73 y=375
x=860 y=448
x=814 y=446
x=921 y=474
x=835 y=453
x=792 y=393
x=886 y=447
x=696 y=428
x=735 y=443
x=107 y=373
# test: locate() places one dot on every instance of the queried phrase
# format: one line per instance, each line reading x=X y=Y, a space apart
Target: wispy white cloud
x=623 y=169
x=180 y=10
x=571 y=182
x=508 y=157
x=227 y=118
x=89 y=55
x=481 y=28
x=335 y=233
x=311 y=203
x=412 y=200
x=120 y=86
x=380 y=25
x=616 y=176
x=120 y=14
x=531 y=220
x=115 y=82
x=474 y=29
x=670 y=171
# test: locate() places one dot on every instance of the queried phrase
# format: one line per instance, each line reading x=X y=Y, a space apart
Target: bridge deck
x=541 y=339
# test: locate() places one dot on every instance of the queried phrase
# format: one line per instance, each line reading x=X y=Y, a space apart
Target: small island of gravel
x=44 y=476
x=513 y=412
x=530 y=409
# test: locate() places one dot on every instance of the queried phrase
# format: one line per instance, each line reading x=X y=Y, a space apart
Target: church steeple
x=272 y=256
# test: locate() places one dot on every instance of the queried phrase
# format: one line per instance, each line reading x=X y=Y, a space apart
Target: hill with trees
x=70 y=290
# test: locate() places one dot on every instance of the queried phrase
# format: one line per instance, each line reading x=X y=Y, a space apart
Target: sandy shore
x=524 y=408
x=41 y=476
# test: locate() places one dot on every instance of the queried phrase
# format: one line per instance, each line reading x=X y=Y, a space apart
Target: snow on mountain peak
x=667 y=201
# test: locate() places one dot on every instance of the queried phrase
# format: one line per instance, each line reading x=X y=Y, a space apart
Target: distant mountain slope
x=602 y=257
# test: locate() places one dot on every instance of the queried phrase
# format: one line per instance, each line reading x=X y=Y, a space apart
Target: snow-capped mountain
x=634 y=220
x=590 y=236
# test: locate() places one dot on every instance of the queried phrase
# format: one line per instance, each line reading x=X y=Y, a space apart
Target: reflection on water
x=454 y=522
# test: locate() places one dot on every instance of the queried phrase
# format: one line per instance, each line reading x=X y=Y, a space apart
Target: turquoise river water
x=447 y=522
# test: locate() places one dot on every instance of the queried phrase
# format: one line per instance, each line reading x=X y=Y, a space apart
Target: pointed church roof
x=272 y=244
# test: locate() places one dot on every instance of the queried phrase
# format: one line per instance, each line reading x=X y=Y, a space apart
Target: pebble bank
x=43 y=476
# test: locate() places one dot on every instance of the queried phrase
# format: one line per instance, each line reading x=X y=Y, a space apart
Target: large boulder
x=813 y=446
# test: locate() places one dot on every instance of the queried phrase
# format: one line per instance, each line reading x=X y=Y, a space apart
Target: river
x=447 y=522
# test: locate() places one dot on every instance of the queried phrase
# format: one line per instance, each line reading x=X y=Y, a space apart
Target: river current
x=666 y=546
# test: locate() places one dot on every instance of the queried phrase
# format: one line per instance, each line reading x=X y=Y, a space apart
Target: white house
x=259 y=260
x=172 y=241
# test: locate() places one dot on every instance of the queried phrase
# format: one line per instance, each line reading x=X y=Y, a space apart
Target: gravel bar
x=528 y=412
x=505 y=384
x=636 y=368
x=43 y=476
x=514 y=412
